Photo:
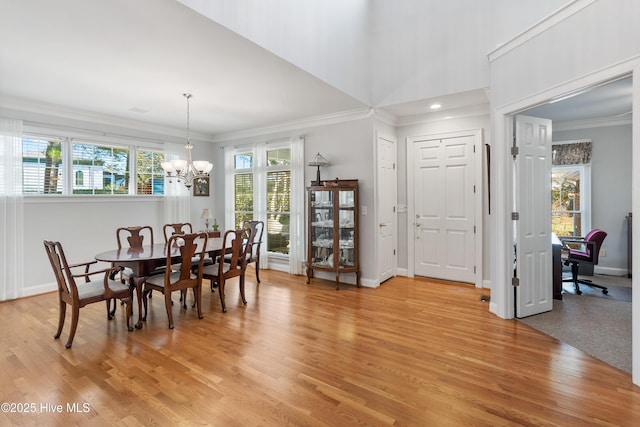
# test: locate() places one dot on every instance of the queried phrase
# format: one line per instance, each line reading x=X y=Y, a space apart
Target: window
x=42 y=166
x=570 y=202
x=52 y=163
x=150 y=176
x=104 y=169
x=262 y=190
x=278 y=199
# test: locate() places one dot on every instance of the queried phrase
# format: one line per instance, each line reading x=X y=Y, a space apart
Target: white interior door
x=534 y=294
x=386 y=209
x=445 y=208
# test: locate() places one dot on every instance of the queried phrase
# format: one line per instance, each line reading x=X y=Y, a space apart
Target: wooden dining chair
x=221 y=270
x=175 y=229
x=133 y=238
x=192 y=247
x=252 y=237
x=78 y=294
x=254 y=241
x=178 y=228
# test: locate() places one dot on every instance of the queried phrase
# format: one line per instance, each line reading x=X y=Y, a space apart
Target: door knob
x=382 y=224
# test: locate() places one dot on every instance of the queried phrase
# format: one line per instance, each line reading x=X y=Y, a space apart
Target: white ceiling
x=116 y=58
x=135 y=59
x=609 y=100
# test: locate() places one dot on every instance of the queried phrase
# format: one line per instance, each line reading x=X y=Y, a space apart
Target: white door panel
x=533 y=230
x=444 y=208
x=386 y=209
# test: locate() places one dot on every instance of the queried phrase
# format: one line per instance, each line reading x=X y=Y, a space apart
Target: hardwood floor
x=414 y=352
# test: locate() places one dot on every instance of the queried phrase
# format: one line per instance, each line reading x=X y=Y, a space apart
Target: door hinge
x=474 y=189
x=394 y=251
x=474 y=229
x=515 y=216
x=474 y=269
x=394 y=166
x=515 y=282
x=514 y=151
x=474 y=148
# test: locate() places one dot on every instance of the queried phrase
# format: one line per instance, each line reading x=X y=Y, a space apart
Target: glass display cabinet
x=333 y=228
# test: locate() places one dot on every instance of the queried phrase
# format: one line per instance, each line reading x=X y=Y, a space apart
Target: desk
x=144 y=261
x=556 y=249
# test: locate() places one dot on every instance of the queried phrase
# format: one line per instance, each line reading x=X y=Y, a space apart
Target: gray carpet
x=592 y=322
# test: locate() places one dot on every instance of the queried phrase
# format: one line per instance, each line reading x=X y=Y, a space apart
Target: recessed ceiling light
x=436 y=106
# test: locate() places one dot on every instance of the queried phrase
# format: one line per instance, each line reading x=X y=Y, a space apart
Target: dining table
x=146 y=260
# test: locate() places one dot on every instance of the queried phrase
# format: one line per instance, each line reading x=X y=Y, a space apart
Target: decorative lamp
x=206 y=215
x=187 y=170
x=318 y=161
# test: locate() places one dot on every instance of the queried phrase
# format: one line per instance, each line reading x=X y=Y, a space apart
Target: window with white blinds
x=67 y=166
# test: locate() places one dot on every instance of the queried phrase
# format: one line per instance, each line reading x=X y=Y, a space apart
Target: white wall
x=327 y=38
x=427 y=48
x=610 y=189
x=85 y=226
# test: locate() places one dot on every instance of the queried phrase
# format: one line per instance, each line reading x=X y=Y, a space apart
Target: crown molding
x=592 y=123
x=458 y=113
x=322 y=120
x=59 y=116
x=543 y=25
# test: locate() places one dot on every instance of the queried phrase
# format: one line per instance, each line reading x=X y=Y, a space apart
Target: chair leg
x=258 y=270
x=128 y=310
x=145 y=294
x=244 y=300
x=167 y=303
x=574 y=277
x=75 y=313
x=63 y=312
x=197 y=294
x=183 y=299
x=111 y=313
x=221 y=292
x=604 y=289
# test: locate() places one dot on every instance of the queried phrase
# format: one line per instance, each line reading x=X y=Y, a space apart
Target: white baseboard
x=403 y=272
x=610 y=271
x=486 y=284
x=39 y=289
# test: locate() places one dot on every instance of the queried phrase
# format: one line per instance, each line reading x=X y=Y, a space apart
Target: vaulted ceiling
x=133 y=60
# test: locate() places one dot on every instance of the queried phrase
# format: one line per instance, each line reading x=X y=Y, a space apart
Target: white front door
x=444 y=194
x=386 y=209
x=534 y=294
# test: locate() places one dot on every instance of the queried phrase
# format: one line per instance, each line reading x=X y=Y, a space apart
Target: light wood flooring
x=414 y=352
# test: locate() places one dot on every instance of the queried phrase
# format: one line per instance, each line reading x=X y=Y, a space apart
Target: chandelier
x=187 y=170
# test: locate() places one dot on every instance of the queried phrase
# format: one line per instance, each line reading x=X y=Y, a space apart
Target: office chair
x=587 y=253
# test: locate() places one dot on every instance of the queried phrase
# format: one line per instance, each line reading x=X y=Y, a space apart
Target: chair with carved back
x=252 y=237
x=134 y=237
x=255 y=242
x=177 y=228
x=234 y=266
x=192 y=246
x=84 y=292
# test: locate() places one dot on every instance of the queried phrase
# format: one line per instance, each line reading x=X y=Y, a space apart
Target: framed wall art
x=201 y=187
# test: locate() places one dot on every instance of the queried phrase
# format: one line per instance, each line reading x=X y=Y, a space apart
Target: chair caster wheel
x=579 y=293
x=604 y=291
